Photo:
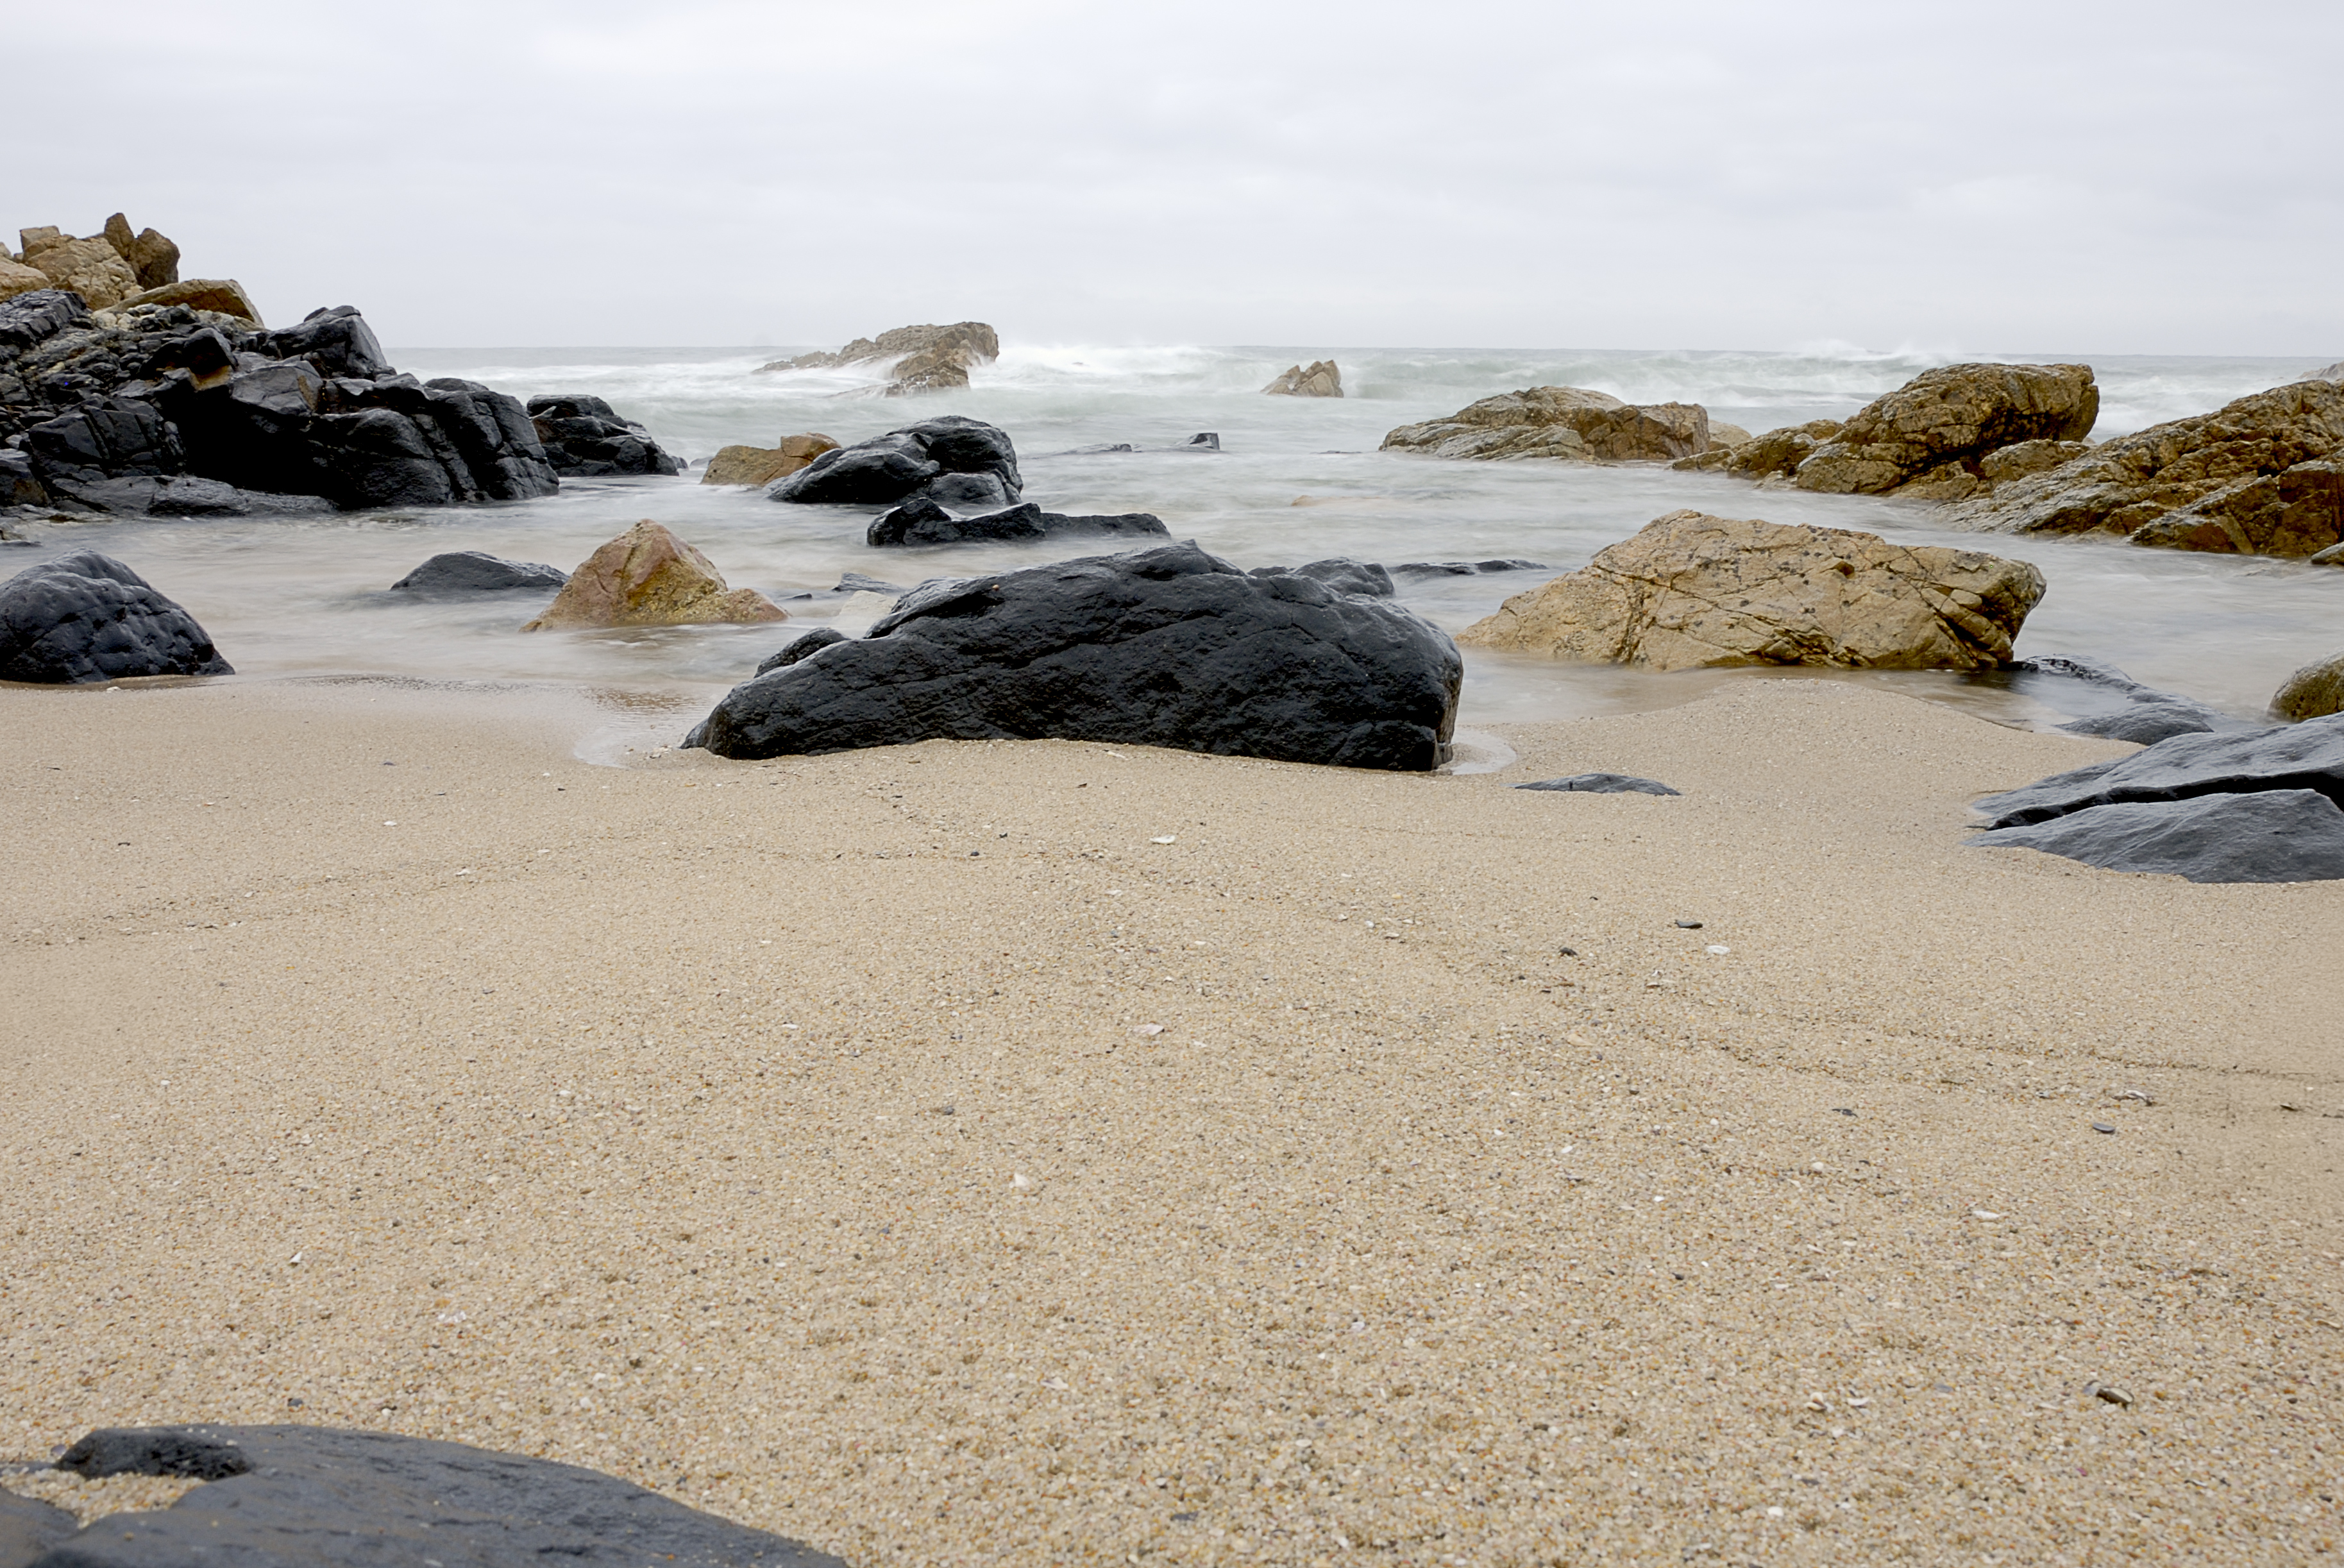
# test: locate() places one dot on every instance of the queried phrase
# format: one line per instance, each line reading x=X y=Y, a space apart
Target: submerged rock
x=2259 y=475
x=763 y=465
x=649 y=577
x=1321 y=379
x=1939 y=428
x=462 y=571
x=1603 y=784
x=950 y=461
x=923 y=521
x=316 y=1497
x=1465 y=568
x=1167 y=647
x=585 y=437
x=87 y=617
x=1692 y=590
x=1569 y=423
x=2124 y=709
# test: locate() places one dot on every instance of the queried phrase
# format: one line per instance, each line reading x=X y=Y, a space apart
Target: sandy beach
x=1023 y=1153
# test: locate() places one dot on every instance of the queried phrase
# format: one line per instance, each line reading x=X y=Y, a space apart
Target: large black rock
x=1167 y=647
x=2258 y=806
x=335 y=339
x=87 y=617
x=922 y=522
x=954 y=461
x=316 y=1497
x=459 y=572
x=585 y=437
x=31 y=319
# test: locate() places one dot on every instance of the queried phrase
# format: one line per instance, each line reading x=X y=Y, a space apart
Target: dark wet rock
x=87 y=617
x=584 y=438
x=1202 y=442
x=923 y=521
x=2267 y=835
x=336 y=342
x=911 y=461
x=858 y=582
x=2308 y=756
x=1465 y=568
x=28 y=1528
x=805 y=647
x=316 y=1497
x=2117 y=707
x=30 y=320
x=19 y=485
x=1168 y=647
x=1603 y=784
x=460 y=572
x=1341 y=573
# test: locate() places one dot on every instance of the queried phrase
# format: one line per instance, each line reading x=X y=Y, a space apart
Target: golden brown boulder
x=1692 y=590
x=1569 y=423
x=90 y=267
x=2313 y=691
x=649 y=577
x=15 y=279
x=224 y=295
x=151 y=256
x=1322 y=380
x=1949 y=418
x=763 y=465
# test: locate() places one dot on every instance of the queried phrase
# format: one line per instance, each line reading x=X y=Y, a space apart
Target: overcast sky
x=2135 y=178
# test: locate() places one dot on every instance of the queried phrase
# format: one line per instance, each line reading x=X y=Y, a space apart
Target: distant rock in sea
x=926 y=358
x=1569 y=422
x=585 y=437
x=1929 y=438
x=922 y=522
x=952 y=460
x=1692 y=590
x=1319 y=379
x=763 y=465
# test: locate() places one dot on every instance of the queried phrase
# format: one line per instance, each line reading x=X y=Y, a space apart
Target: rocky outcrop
x=2256 y=806
x=459 y=572
x=1569 y=422
x=952 y=461
x=925 y=358
x=1692 y=590
x=87 y=617
x=1320 y=379
x=1945 y=423
x=2257 y=476
x=585 y=437
x=322 y=1497
x=1166 y=647
x=649 y=577
x=925 y=523
x=169 y=411
x=763 y=465
x=221 y=296
x=2313 y=691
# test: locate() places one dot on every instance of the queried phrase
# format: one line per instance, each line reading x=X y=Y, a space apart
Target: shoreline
x=605 y=1111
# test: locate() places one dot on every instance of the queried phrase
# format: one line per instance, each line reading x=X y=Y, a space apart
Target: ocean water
x=1297 y=480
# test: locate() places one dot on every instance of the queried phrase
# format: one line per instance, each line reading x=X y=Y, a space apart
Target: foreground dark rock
x=1603 y=784
x=923 y=521
x=1569 y=422
x=462 y=571
x=1167 y=647
x=293 y=1497
x=2262 y=475
x=86 y=617
x=171 y=412
x=952 y=461
x=585 y=437
x=2256 y=806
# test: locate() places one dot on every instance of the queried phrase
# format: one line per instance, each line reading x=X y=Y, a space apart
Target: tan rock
x=28 y=240
x=1569 y=423
x=2334 y=372
x=927 y=358
x=2297 y=511
x=2206 y=466
x=1777 y=452
x=1321 y=379
x=154 y=258
x=1955 y=413
x=1692 y=590
x=2313 y=691
x=649 y=577
x=763 y=465
x=224 y=295
x=15 y=279
x=90 y=267
x=1725 y=437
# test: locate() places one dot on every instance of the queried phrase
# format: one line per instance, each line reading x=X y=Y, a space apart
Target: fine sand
x=796 y=1137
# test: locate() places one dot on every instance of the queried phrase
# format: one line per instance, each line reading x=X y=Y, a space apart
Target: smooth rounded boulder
x=456 y=572
x=649 y=577
x=1170 y=647
x=2313 y=691
x=952 y=460
x=86 y=617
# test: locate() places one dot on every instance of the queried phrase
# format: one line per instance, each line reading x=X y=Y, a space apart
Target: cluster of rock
x=2256 y=806
x=926 y=358
x=1947 y=434
x=1169 y=646
x=922 y=522
x=1569 y=422
x=2263 y=475
x=1692 y=590
x=952 y=460
x=109 y=268
x=585 y=437
x=763 y=465
x=322 y=1497
x=1320 y=378
x=649 y=577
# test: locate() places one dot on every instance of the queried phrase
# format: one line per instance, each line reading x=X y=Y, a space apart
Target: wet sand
x=796 y=1138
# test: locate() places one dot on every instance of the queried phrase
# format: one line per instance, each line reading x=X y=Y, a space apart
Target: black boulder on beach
x=1166 y=647
x=86 y=617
